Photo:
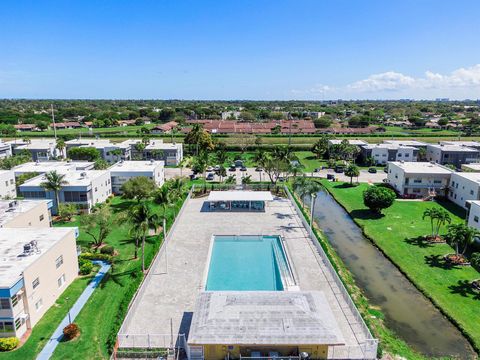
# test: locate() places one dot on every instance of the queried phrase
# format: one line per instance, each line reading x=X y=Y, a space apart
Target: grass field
x=399 y=234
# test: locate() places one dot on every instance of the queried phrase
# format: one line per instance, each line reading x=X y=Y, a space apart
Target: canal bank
x=407 y=311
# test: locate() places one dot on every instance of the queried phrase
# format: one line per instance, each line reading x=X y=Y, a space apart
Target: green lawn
x=309 y=160
x=399 y=235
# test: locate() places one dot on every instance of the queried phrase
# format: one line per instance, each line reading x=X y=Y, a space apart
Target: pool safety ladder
x=284 y=266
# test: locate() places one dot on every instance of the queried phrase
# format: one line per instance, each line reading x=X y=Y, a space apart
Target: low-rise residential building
x=83 y=188
x=8 y=189
x=5 y=150
x=470 y=144
x=418 y=179
x=109 y=151
x=25 y=213
x=166 y=128
x=455 y=155
x=123 y=171
x=473 y=167
x=170 y=153
x=38 y=264
x=356 y=142
x=47 y=166
x=39 y=149
x=412 y=143
x=464 y=186
x=474 y=213
x=383 y=153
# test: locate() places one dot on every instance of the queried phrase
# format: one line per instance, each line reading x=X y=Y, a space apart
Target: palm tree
x=443 y=218
x=60 y=146
x=295 y=168
x=137 y=237
x=431 y=213
x=247 y=180
x=143 y=219
x=300 y=186
x=352 y=171
x=461 y=235
x=54 y=182
x=177 y=187
x=313 y=187
x=163 y=197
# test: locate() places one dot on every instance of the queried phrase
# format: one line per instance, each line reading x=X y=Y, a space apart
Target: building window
x=35 y=282
x=437 y=181
x=4 y=303
x=471 y=192
x=59 y=261
x=14 y=300
x=18 y=323
x=453 y=183
x=41 y=217
x=38 y=304
x=407 y=155
x=475 y=218
x=61 y=280
x=417 y=181
x=6 y=326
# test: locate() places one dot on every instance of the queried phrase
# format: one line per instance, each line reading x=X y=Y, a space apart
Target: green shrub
x=96 y=256
x=8 y=344
x=71 y=331
x=107 y=249
x=475 y=260
x=86 y=268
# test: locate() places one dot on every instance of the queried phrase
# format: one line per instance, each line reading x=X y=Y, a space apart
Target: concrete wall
x=463 y=189
x=415 y=184
x=7 y=184
x=39 y=216
x=474 y=216
x=45 y=269
x=219 y=352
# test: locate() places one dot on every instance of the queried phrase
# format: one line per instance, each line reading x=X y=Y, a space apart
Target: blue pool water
x=246 y=263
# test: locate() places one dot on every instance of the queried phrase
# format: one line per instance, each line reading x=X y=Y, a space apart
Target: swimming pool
x=248 y=263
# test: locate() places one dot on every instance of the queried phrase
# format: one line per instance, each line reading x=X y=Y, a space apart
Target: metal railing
x=366 y=349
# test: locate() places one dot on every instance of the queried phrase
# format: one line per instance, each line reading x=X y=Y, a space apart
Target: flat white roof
x=413 y=143
x=453 y=148
x=263 y=317
x=135 y=166
x=473 y=176
x=156 y=144
x=46 y=166
x=388 y=146
x=240 y=195
x=472 y=166
x=412 y=167
x=40 y=144
x=460 y=143
x=73 y=178
x=351 y=142
x=9 y=209
x=96 y=143
x=12 y=259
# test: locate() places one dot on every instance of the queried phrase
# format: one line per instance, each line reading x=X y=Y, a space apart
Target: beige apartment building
x=25 y=213
x=37 y=265
x=7 y=185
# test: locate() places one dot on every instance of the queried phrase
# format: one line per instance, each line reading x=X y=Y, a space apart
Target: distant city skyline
x=244 y=50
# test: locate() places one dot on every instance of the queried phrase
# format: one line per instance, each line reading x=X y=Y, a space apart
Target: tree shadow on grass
x=439 y=262
x=419 y=241
x=365 y=214
x=122 y=206
x=345 y=185
x=118 y=278
x=464 y=288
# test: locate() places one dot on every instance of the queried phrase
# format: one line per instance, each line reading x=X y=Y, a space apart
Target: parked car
x=210 y=176
x=209 y=168
x=232 y=168
x=243 y=168
x=216 y=168
x=339 y=168
x=258 y=169
x=372 y=170
x=330 y=177
x=193 y=177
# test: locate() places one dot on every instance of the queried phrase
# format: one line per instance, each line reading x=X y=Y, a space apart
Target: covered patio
x=235 y=200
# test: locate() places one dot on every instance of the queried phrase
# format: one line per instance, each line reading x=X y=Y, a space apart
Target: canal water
x=406 y=310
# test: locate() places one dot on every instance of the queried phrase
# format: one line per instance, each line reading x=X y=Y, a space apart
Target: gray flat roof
x=239 y=195
x=10 y=209
x=263 y=317
x=73 y=178
x=12 y=260
x=413 y=167
x=46 y=166
x=135 y=166
x=460 y=148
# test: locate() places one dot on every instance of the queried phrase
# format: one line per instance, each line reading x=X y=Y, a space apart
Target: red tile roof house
x=126 y=122
x=26 y=127
x=164 y=128
x=67 y=125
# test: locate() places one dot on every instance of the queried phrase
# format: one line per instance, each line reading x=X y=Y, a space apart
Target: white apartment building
x=110 y=152
x=464 y=186
x=418 y=179
x=83 y=188
x=39 y=149
x=25 y=213
x=38 y=264
x=471 y=144
x=8 y=189
x=383 y=153
x=473 y=167
x=474 y=214
x=170 y=153
x=41 y=167
x=123 y=171
x=412 y=143
x=456 y=155
x=356 y=142
x=5 y=150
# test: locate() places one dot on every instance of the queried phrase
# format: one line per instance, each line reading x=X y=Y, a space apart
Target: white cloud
x=317 y=89
x=465 y=78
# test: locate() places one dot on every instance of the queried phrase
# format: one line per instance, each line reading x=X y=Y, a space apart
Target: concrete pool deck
x=167 y=297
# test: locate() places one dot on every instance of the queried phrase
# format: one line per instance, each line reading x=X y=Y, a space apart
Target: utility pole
x=165 y=243
x=53 y=121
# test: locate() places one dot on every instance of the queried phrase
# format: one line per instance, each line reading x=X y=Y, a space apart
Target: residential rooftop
x=96 y=143
x=473 y=176
x=412 y=167
x=154 y=144
x=73 y=178
x=34 y=144
x=472 y=166
x=461 y=143
x=388 y=146
x=351 y=142
x=413 y=143
x=263 y=317
x=13 y=260
x=46 y=166
x=453 y=148
x=135 y=166
x=9 y=209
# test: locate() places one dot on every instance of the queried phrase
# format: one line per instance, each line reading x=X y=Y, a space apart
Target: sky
x=240 y=50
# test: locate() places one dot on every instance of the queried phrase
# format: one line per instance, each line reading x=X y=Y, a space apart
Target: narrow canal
x=406 y=310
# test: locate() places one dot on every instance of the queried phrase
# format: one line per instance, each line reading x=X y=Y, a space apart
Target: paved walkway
x=52 y=343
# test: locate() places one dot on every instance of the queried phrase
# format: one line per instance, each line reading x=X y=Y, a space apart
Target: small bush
x=8 y=344
x=96 y=256
x=475 y=260
x=86 y=268
x=71 y=331
x=107 y=249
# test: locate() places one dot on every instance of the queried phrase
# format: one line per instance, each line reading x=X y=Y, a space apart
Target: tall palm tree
x=313 y=188
x=54 y=182
x=461 y=235
x=60 y=146
x=442 y=219
x=300 y=186
x=431 y=213
x=177 y=187
x=163 y=197
x=142 y=219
